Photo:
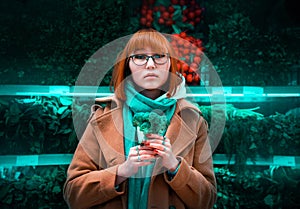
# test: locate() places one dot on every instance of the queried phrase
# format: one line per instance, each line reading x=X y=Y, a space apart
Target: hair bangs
x=142 y=40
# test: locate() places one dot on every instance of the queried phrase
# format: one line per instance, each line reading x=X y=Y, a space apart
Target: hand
x=162 y=146
x=138 y=156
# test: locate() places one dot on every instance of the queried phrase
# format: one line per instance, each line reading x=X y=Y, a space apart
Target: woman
x=111 y=169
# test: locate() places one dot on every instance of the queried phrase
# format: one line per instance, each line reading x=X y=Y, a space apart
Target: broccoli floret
x=152 y=122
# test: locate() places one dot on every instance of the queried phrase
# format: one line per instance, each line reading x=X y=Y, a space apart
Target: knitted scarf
x=139 y=183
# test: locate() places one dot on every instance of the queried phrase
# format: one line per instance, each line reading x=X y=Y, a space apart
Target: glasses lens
x=160 y=58
x=139 y=59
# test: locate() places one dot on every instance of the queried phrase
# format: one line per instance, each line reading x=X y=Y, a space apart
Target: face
x=151 y=75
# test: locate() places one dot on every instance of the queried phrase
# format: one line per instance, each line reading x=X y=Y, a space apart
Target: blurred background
x=252 y=45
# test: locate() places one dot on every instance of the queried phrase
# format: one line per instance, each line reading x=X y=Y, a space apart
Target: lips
x=150 y=75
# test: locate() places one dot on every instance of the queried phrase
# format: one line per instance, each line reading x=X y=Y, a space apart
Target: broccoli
x=151 y=122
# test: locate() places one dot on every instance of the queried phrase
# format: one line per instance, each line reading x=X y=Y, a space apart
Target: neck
x=152 y=93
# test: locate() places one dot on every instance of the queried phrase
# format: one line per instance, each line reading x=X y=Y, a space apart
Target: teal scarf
x=138 y=186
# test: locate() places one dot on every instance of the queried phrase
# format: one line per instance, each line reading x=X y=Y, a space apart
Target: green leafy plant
x=60 y=36
x=34 y=125
x=28 y=187
x=257 y=188
x=151 y=122
x=237 y=45
x=249 y=134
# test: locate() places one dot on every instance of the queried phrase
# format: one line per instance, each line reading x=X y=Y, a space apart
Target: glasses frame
x=152 y=57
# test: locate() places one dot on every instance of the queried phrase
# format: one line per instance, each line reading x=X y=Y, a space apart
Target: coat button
x=172 y=207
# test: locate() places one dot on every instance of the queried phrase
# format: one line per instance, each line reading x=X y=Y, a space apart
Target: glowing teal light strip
x=283 y=95
x=27 y=90
x=64 y=159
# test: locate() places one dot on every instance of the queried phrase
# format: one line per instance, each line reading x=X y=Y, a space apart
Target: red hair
x=141 y=39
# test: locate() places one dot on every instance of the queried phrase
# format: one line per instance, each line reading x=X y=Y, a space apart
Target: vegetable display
x=190 y=51
x=174 y=14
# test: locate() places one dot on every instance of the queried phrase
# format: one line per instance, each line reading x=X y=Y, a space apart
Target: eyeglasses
x=142 y=59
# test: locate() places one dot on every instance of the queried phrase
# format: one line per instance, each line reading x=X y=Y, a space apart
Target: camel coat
x=92 y=173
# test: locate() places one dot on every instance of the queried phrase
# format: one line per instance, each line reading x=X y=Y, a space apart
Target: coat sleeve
x=195 y=181
x=88 y=183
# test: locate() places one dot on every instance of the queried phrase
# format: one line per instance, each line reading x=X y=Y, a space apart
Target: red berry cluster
x=192 y=13
x=166 y=15
x=183 y=11
x=147 y=13
x=190 y=50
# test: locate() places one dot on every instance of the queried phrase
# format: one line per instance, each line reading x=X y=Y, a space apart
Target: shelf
x=65 y=159
x=35 y=160
x=196 y=93
x=277 y=160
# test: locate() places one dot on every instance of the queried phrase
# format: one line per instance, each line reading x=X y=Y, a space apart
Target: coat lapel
x=109 y=133
x=182 y=139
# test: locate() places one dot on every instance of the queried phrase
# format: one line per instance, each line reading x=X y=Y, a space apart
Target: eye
x=140 y=56
x=158 y=56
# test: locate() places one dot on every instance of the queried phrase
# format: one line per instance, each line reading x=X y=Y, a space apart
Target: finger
x=161 y=145
x=144 y=158
x=154 y=136
x=134 y=151
x=159 y=138
x=162 y=152
x=149 y=151
x=157 y=141
x=145 y=145
x=166 y=140
x=139 y=158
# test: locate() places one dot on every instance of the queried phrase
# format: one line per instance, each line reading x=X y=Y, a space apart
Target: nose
x=150 y=63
